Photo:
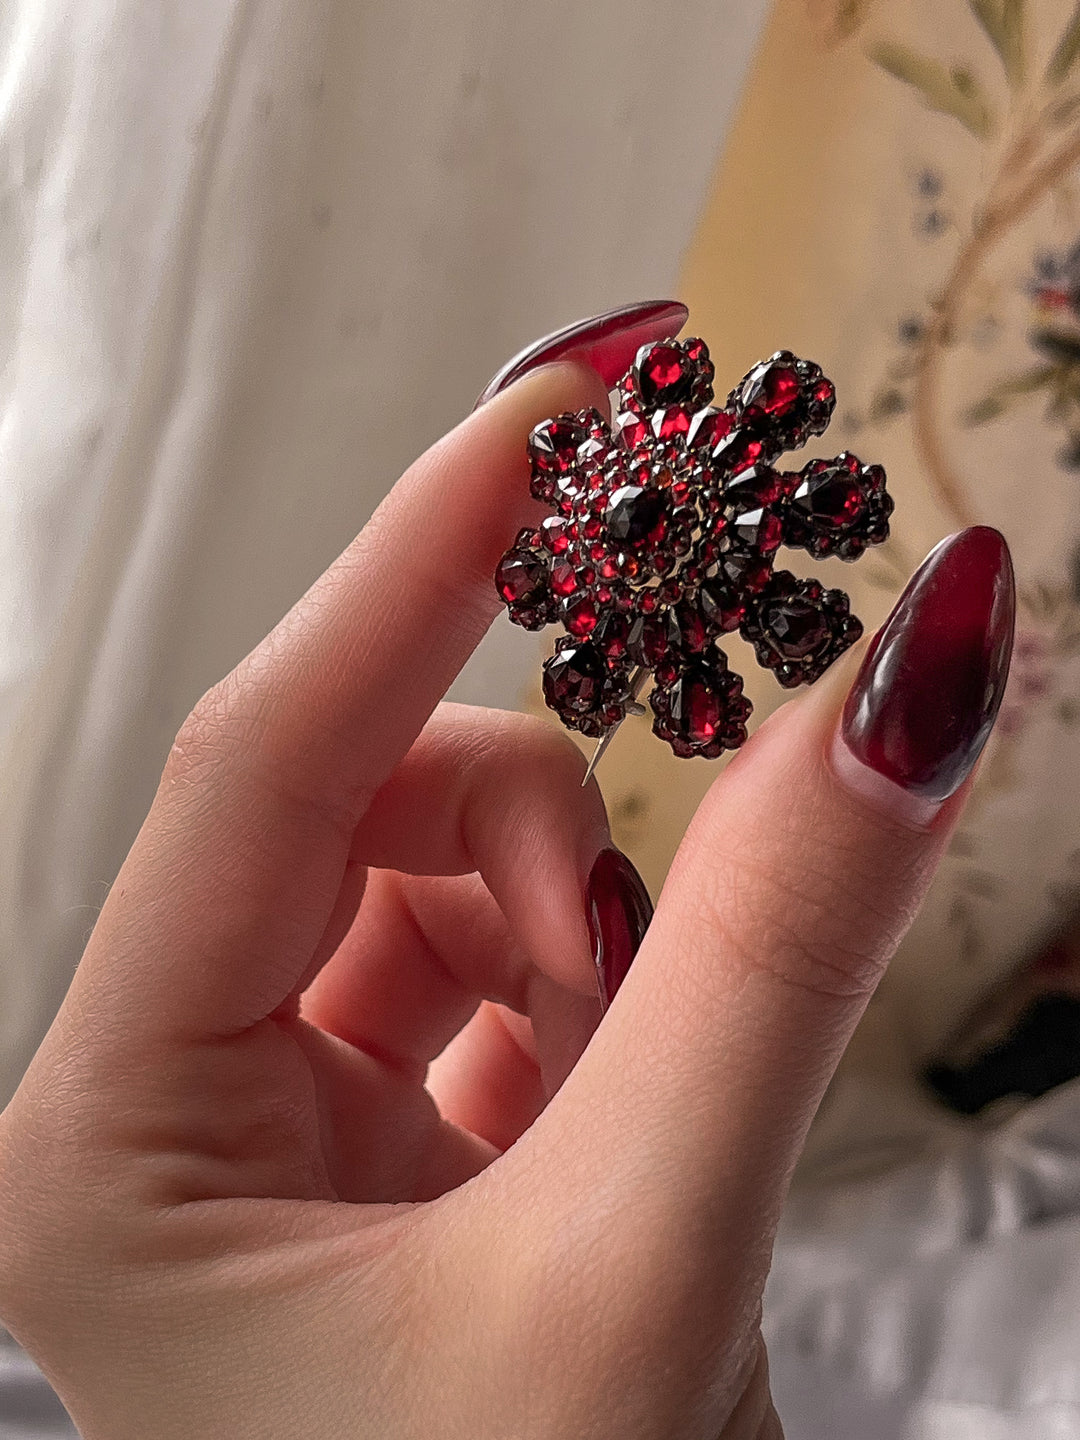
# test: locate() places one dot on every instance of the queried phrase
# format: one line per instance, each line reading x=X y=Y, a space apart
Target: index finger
x=228 y=889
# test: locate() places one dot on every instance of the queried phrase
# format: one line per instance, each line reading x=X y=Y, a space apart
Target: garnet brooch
x=665 y=529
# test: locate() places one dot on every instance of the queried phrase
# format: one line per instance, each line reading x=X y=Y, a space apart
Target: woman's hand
x=238 y=1199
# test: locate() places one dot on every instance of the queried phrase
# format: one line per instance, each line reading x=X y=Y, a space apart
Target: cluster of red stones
x=662 y=540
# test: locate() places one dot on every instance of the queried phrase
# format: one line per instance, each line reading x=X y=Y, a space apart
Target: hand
x=237 y=1198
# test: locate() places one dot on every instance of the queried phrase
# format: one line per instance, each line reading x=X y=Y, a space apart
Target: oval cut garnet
x=770 y=390
x=664 y=375
x=795 y=627
x=574 y=679
x=521 y=577
x=580 y=618
x=831 y=498
x=737 y=451
x=636 y=514
x=553 y=446
x=697 y=710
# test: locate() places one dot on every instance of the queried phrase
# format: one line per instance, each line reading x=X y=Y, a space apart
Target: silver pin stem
x=637 y=683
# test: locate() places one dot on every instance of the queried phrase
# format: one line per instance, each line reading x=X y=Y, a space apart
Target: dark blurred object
x=1041 y=1051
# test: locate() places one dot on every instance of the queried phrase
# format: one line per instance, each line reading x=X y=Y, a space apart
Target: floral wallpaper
x=900 y=200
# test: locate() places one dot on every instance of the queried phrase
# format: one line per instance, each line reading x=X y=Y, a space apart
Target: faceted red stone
x=675 y=420
x=737 y=451
x=771 y=391
x=745 y=572
x=760 y=530
x=795 y=626
x=564 y=580
x=553 y=446
x=580 y=618
x=521 y=577
x=696 y=708
x=690 y=625
x=831 y=498
x=635 y=515
x=574 y=679
x=708 y=428
x=722 y=608
x=632 y=429
x=664 y=375
x=649 y=641
x=554 y=535
x=612 y=635
x=754 y=487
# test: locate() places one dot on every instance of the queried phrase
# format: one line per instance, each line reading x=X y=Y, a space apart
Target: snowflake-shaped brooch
x=665 y=529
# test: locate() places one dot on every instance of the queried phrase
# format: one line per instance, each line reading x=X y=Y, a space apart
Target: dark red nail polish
x=606 y=342
x=929 y=690
x=619 y=910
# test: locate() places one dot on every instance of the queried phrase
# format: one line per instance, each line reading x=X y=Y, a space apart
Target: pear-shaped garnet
x=574 y=679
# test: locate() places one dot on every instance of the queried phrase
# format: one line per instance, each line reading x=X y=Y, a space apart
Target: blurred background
x=257 y=255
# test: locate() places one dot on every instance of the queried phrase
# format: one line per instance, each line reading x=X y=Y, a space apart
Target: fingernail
x=606 y=342
x=929 y=690
x=619 y=910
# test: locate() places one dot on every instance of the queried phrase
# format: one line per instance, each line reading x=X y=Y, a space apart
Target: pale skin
x=238 y=1199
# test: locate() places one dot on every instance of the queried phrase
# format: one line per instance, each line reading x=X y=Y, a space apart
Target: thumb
x=803 y=868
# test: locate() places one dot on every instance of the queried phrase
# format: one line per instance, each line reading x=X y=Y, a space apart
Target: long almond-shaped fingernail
x=928 y=693
x=606 y=342
x=619 y=911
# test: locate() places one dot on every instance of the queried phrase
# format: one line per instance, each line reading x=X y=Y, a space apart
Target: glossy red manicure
x=929 y=690
x=606 y=342
x=619 y=910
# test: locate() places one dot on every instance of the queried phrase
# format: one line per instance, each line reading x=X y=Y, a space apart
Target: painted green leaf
x=1067 y=51
x=937 y=86
x=1003 y=22
x=984 y=411
x=1014 y=51
x=997 y=402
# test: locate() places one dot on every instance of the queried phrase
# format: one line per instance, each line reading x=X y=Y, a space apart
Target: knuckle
x=206 y=736
x=811 y=931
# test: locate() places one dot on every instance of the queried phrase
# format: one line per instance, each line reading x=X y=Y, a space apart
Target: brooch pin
x=663 y=539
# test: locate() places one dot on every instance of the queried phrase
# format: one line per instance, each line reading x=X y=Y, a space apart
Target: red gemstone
x=795 y=627
x=564 y=580
x=770 y=390
x=664 y=375
x=697 y=711
x=675 y=420
x=632 y=429
x=831 y=498
x=708 y=428
x=737 y=451
x=648 y=641
x=754 y=488
x=553 y=446
x=760 y=530
x=554 y=536
x=521 y=577
x=693 y=636
x=722 y=608
x=636 y=515
x=574 y=679
x=612 y=634
x=580 y=618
